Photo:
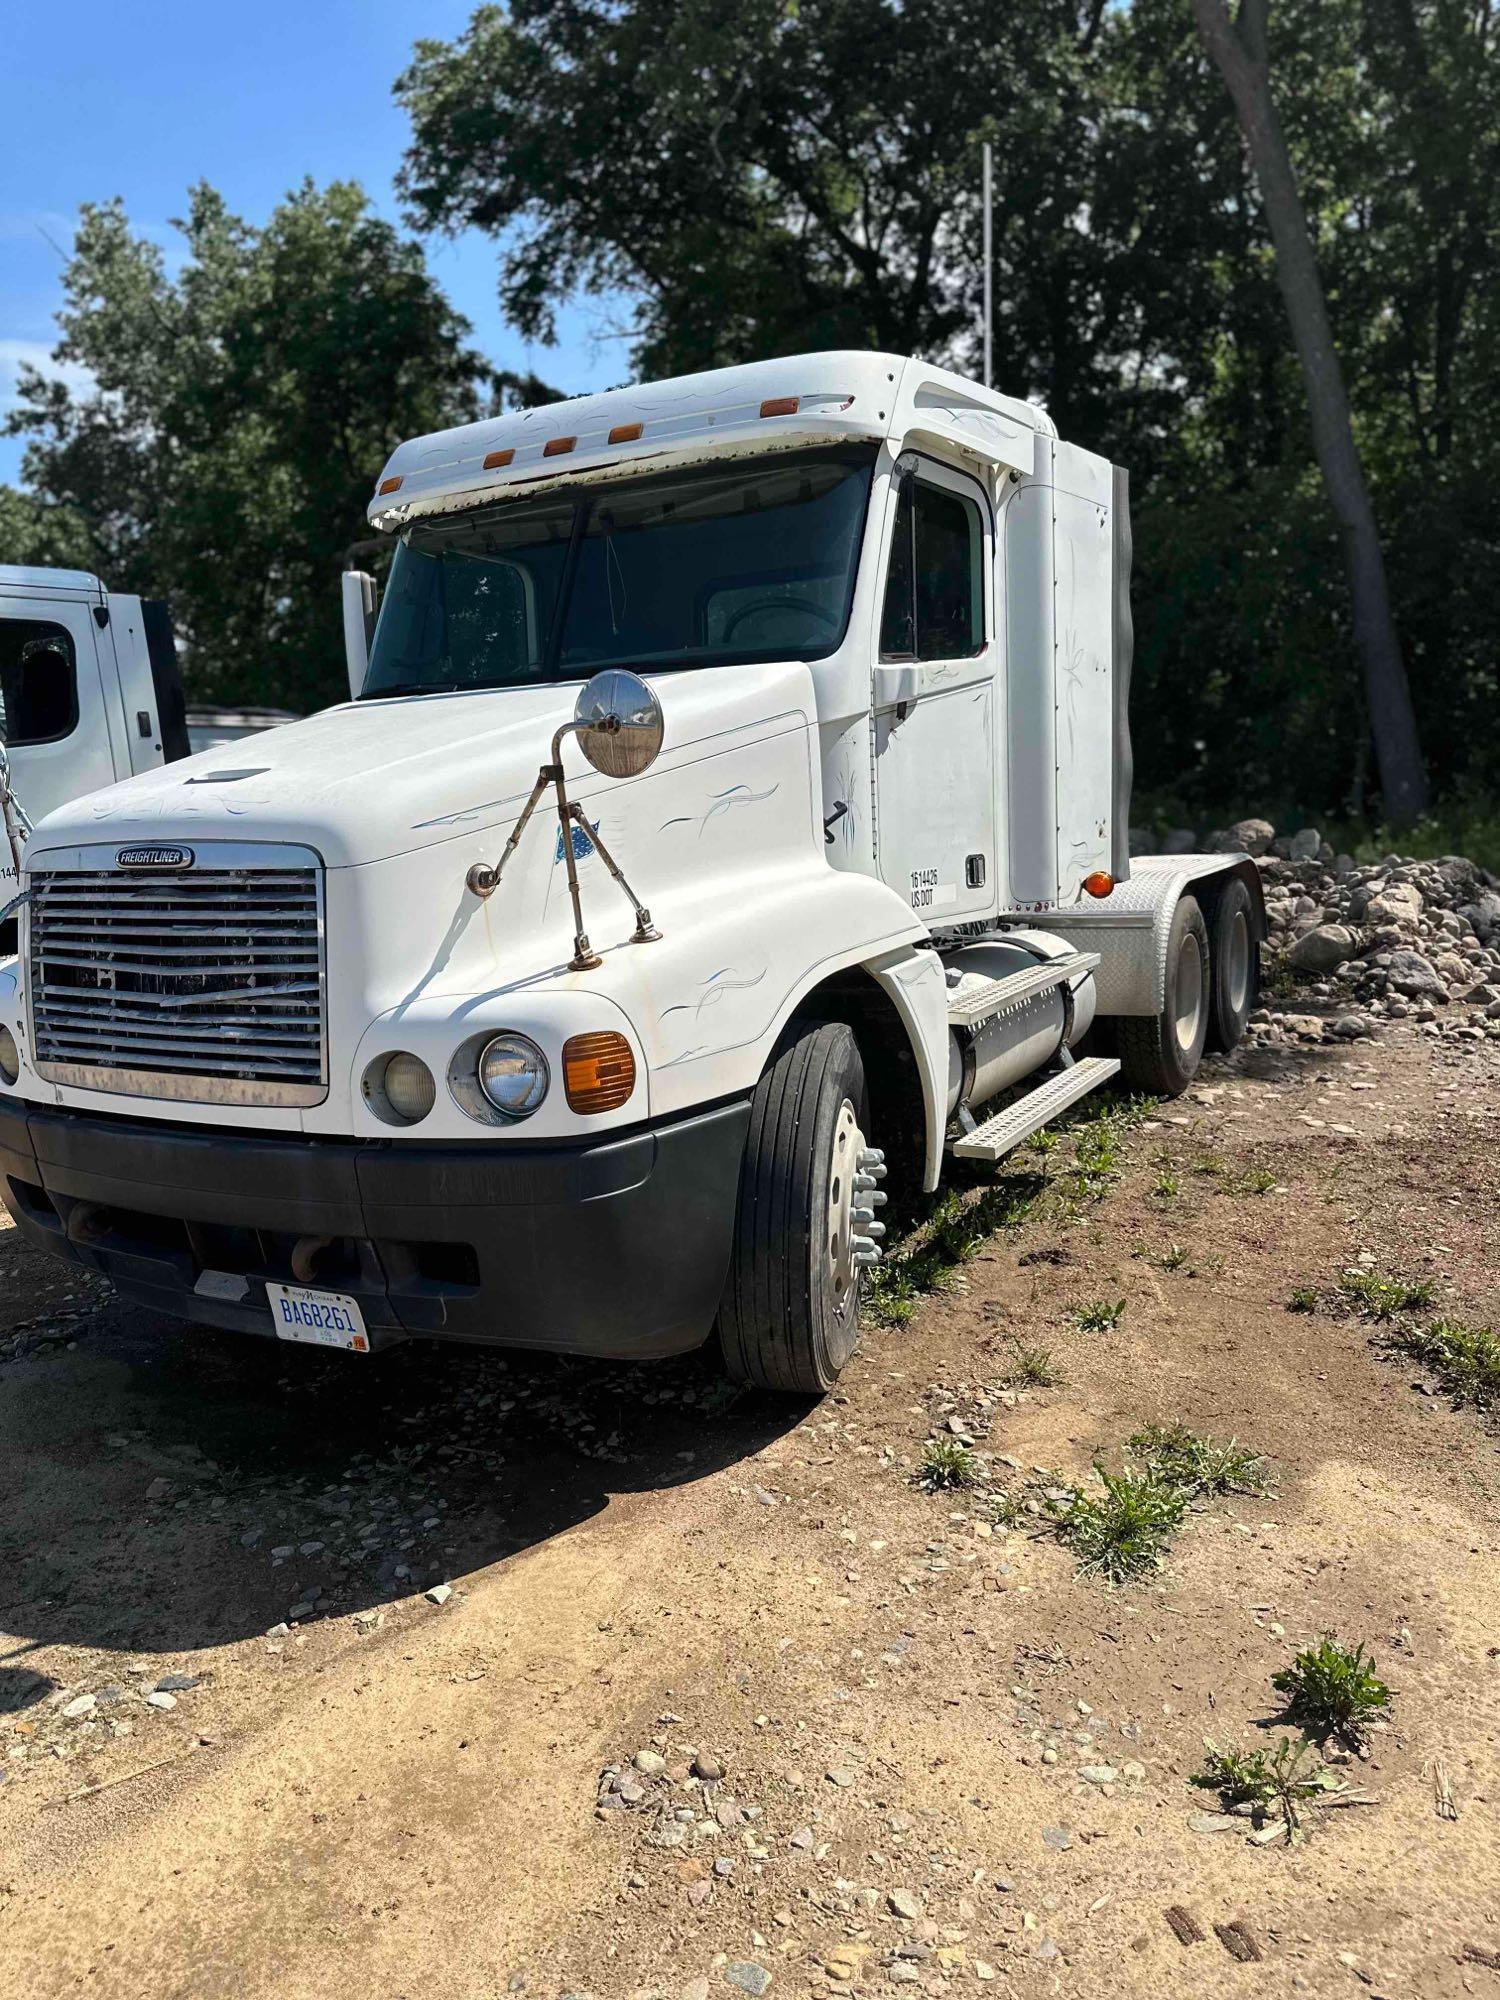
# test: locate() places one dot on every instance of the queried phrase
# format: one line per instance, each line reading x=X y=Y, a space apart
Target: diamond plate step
x=979 y=1003
x=999 y=1135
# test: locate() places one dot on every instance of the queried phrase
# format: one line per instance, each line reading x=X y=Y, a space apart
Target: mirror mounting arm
x=484 y=880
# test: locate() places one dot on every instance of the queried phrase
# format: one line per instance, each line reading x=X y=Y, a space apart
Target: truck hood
x=374 y=779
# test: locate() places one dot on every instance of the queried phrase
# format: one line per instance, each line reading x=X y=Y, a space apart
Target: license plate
x=324 y=1319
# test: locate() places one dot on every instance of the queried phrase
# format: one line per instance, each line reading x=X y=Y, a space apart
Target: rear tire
x=1161 y=1053
x=1234 y=958
x=789 y=1317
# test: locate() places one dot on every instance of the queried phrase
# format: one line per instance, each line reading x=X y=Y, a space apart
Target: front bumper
x=616 y=1246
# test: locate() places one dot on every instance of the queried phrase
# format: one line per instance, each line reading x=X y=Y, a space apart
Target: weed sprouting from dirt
x=1173 y=1258
x=1123 y=1533
x=955 y=1228
x=1465 y=1360
x=1332 y=1690
x=1202 y=1465
x=1256 y=1180
x=1166 y=1187
x=1035 y=1368
x=1272 y=1782
x=1098 y=1315
x=1304 y=1299
x=1384 y=1299
x=946 y=1464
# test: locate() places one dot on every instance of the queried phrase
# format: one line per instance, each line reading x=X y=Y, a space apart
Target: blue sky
x=105 y=99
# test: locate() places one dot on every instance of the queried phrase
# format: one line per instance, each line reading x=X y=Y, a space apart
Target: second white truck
x=733 y=806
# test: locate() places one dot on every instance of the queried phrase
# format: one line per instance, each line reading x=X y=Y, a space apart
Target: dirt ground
x=400 y=1798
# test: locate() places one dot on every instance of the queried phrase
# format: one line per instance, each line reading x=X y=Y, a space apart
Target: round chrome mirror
x=619 y=724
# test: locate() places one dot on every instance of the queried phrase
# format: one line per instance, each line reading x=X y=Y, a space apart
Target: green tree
x=242 y=409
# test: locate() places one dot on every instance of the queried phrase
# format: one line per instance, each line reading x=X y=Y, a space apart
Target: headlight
x=10 y=1056
x=400 y=1088
x=513 y=1075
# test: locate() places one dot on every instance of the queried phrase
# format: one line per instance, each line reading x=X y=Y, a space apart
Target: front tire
x=789 y=1317
x=1161 y=1053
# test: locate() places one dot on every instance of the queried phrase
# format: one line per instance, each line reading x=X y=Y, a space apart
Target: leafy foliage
x=1201 y=1465
x=1271 y=1781
x=1465 y=1360
x=1384 y=1298
x=1099 y=1315
x=1120 y=1534
x=245 y=401
x=947 y=1463
x=1332 y=1690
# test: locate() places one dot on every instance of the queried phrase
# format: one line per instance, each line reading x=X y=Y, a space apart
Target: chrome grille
x=205 y=985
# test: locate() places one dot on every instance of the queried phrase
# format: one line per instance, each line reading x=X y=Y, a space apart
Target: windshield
x=719 y=566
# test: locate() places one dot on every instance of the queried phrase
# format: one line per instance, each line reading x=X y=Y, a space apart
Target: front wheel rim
x=848 y=1144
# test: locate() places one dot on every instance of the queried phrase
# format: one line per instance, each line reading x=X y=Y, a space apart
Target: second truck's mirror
x=619 y=724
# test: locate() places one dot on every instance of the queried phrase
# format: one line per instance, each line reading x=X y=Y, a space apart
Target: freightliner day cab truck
x=734 y=798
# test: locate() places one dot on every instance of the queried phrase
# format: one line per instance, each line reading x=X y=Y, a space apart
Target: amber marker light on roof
x=598 y=1071
x=555 y=447
x=493 y=460
x=625 y=433
x=780 y=406
x=1100 y=883
x=390 y=485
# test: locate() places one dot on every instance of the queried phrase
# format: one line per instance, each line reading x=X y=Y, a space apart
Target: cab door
x=54 y=718
x=935 y=697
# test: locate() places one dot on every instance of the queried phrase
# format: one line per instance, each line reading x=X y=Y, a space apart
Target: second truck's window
x=934 y=602
x=38 y=682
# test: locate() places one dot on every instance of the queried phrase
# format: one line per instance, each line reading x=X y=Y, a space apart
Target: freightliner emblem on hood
x=154 y=857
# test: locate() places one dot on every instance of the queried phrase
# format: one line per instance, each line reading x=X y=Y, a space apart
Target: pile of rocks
x=1398 y=938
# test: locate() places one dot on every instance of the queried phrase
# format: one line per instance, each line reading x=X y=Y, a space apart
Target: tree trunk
x=1238 y=49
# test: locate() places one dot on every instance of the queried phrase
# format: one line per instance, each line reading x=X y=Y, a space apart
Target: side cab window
x=38 y=682
x=934 y=590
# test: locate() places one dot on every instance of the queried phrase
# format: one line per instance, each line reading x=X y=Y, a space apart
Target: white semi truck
x=89 y=692
x=733 y=801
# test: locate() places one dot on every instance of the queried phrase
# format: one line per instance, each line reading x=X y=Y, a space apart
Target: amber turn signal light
x=625 y=433
x=493 y=460
x=1100 y=883
x=390 y=485
x=555 y=447
x=780 y=406
x=598 y=1071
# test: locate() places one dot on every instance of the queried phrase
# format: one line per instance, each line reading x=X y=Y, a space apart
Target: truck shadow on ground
x=166 y=1489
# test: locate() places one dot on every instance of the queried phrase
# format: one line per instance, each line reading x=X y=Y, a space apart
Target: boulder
x=1415 y=976
x=1398 y=903
x=1250 y=836
x=1483 y=915
x=1305 y=845
x=1324 y=949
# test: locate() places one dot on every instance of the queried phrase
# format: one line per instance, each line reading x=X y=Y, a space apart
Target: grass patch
x=1272 y=1782
x=1034 y=1368
x=1465 y=1360
x=1256 y=1180
x=1123 y=1533
x=1202 y=1466
x=947 y=1464
x=1304 y=1299
x=953 y=1230
x=1098 y=1315
x=1384 y=1298
x=1332 y=1690
x=1166 y=1187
